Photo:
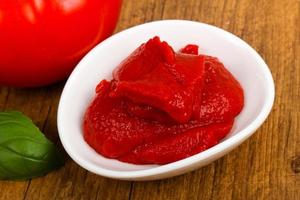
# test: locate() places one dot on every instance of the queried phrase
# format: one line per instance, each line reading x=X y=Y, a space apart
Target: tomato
x=41 y=41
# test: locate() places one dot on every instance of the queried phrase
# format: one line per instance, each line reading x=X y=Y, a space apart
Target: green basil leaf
x=24 y=150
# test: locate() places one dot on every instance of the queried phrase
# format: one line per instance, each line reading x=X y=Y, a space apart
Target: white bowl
x=239 y=58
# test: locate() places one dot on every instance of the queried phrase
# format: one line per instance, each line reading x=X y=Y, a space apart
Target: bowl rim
x=181 y=164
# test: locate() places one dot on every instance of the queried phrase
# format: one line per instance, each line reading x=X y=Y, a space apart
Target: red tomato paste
x=162 y=106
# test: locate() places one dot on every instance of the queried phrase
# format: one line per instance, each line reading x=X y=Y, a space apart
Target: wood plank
x=32 y=102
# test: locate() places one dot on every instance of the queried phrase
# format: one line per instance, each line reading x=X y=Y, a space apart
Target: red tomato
x=42 y=40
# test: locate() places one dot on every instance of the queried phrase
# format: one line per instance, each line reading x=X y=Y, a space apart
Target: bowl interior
x=237 y=56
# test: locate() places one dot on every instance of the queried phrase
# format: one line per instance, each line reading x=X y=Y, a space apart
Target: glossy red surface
x=42 y=40
x=167 y=81
x=133 y=117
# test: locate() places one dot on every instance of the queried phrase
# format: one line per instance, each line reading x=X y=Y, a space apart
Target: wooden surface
x=266 y=166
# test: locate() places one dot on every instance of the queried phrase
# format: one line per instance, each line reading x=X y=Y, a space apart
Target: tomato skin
x=42 y=40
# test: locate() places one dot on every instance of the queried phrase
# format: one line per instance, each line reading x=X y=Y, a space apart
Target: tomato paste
x=162 y=106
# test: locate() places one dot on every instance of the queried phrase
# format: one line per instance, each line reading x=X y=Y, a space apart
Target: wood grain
x=266 y=166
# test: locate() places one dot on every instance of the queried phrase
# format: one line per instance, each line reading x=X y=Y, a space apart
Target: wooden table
x=266 y=166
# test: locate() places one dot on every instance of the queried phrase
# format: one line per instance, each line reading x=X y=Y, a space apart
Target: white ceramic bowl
x=239 y=58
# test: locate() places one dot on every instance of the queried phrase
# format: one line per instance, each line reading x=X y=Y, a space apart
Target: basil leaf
x=24 y=151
